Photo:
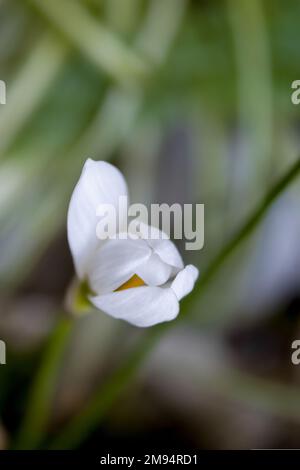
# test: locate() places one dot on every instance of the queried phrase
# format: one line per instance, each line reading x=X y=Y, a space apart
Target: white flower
x=138 y=280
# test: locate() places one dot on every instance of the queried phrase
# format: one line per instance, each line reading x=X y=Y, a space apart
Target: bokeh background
x=192 y=101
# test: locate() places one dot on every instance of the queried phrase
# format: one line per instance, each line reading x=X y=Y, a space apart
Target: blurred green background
x=192 y=101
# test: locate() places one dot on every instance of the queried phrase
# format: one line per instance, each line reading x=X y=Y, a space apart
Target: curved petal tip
x=185 y=280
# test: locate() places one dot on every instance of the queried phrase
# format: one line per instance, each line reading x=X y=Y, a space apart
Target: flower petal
x=115 y=262
x=185 y=280
x=99 y=183
x=161 y=245
x=168 y=252
x=154 y=271
x=140 y=306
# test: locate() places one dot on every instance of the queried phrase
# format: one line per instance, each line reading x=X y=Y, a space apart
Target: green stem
x=43 y=389
x=89 y=417
x=80 y=426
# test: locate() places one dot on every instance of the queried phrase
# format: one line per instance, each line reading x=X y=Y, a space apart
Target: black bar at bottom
x=142 y=458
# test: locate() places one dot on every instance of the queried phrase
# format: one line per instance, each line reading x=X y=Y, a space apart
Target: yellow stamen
x=134 y=281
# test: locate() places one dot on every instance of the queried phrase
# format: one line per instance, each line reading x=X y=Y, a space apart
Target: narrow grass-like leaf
x=29 y=87
x=42 y=392
x=94 y=40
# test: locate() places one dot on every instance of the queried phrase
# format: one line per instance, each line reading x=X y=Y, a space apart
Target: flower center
x=134 y=281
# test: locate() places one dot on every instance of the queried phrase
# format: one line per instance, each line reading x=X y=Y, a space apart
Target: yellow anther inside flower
x=134 y=281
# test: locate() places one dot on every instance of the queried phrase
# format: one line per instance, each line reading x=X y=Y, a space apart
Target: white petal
x=161 y=245
x=154 y=271
x=115 y=263
x=168 y=252
x=149 y=232
x=185 y=280
x=99 y=183
x=140 y=306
